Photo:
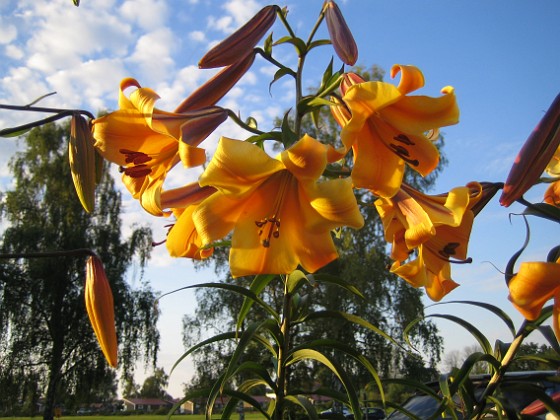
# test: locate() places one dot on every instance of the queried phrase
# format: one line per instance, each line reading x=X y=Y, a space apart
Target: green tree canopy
x=48 y=347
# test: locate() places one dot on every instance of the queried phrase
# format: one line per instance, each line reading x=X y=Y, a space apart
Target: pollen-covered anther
x=272 y=224
x=404 y=154
x=137 y=171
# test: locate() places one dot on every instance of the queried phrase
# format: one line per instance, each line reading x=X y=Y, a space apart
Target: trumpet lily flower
x=438 y=226
x=100 y=309
x=147 y=142
x=552 y=194
x=534 y=285
x=281 y=216
x=387 y=129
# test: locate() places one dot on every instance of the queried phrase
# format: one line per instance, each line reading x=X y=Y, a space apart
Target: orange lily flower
x=552 y=194
x=388 y=129
x=533 y=286
x=100 y=309
x=147 y=142
x=281 y=216
x=438 y=226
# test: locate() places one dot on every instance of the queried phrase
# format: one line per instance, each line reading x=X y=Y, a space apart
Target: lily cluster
x=281 y=210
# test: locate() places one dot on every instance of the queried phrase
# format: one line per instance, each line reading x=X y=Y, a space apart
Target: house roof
x=147 y=401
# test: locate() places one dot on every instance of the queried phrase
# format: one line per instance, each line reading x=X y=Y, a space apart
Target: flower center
x=137 y=162
x=402 y=151
x=269 y=227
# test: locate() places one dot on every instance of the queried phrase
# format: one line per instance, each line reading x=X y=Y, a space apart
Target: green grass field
x=248 y=416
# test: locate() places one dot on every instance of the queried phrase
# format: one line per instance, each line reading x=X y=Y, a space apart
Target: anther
x=404 y=139
x=403 y=154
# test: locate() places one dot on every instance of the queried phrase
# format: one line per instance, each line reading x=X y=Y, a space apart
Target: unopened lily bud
x=350 y=79
x=534 y=156
x=99 y=306
x=202 y=124
x=241 y=42
x=340 y=112
x=214 y=89
x=340 y=34
x=81 y=155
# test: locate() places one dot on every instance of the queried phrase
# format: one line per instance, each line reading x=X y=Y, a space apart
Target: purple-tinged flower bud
x=100 y=309
x=350 y=79
x=216 y=88
x=340 y=34
x=81 y=156
x=242 y=41
x=534 y=156
x=201 y=124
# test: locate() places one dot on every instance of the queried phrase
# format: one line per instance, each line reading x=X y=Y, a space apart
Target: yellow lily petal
x=280 y=219
x=533 y=286
x=183 y=239
x=552 y=194
x=238 y=167
x=411 y=78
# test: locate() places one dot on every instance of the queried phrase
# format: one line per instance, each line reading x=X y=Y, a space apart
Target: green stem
x=46 y=109
x=282 y=374
x=242 y=124
x=499 y=374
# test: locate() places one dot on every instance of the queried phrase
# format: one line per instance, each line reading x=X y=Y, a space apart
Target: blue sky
x=501 y=57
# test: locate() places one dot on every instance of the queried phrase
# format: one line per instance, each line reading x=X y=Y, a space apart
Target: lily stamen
x=274 y=220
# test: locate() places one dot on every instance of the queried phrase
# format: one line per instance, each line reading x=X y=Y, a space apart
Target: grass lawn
x=248 y=416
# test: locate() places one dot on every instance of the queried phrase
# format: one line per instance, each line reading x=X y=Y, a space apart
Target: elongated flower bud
x=350 y=79
x=197 y=128
x=99 y=306
x=81 y=155
x=214 y=89
x=241 y=42
x=340 y=34
x=534 y=156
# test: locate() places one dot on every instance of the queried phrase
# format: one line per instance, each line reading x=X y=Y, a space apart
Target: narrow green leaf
x=9 y=132
x=305 y=404
x=337 y=281
x=288 y=135
x=219 y=337
x=258 y=370
x=548 y=333
x=280 y=73
x=475 y=332
x=544 y=210
x=319 y=43
x=295 y=280
x=236 y=396
x=349 y=350
x=309 y=354
x=258 y=284
x=494 y=309
x=298 y=43
x=193 y=395
x=239 y=290
x=355 y=320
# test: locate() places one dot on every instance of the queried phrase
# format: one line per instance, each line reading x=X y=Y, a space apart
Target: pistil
x=269 y=227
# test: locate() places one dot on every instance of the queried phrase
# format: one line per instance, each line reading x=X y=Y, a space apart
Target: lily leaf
x=295 y=280
x=309 y=354
x=475 y=332
x=544 y=210
x=258 y=284
x=258 y=370
x=355 y=320
x=299 y=43
x=494 y=309
x=220 y=337
x=337 y=281
x=236 y=396
x=349 y=350
x=304 y=403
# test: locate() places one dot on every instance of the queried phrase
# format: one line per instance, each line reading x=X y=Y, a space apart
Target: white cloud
x=242 y=10
x=7 y=32
x=197 y=36
x=13 y=52
x=153 y=56
x=148 y=14
x=223 y=24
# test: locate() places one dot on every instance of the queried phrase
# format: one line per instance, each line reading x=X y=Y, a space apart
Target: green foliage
x=48 y=346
